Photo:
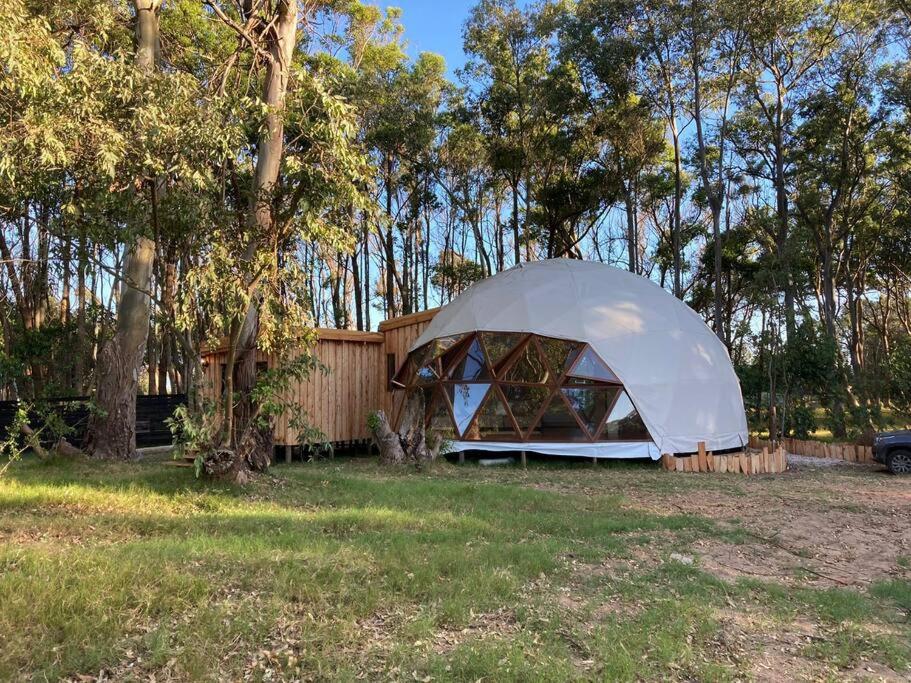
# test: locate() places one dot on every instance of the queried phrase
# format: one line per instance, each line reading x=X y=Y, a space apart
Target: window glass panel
x=528 y=367
x=624 y=423
x=421 y=355
x=465 y=400
x=499 y=344
x=492 y=422
x=454 y=354
x=439 y=419
x=559 y=353
x=525 y=403
x=591 y=405
x=435 y=349
x=591 y=366
x=586 y=382
x=422 y=394
x=428 y=373
x=558 y=424
x=473 y=365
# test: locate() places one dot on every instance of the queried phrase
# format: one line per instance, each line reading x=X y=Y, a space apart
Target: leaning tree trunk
x=112 y=428
x=410 y=445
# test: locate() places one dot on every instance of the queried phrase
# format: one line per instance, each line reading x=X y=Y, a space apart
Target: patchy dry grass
x=344 y=570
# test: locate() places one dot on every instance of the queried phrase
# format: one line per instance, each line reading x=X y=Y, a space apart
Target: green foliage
x=194 y=432
x=373 y=422
x=34 y=426
x=271 y=397
x=802 y=422
x=900 y=374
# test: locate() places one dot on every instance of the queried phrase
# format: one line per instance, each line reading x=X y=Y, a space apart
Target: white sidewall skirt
x=614 y=449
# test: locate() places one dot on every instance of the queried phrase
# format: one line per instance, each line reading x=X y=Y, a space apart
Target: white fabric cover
x=675 y=370
x=604 y=449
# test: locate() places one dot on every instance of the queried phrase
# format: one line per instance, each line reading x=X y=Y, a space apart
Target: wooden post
x=594 y=462
x=287 y=454
x=703 y=466
x=524 y=461
x=461 y=457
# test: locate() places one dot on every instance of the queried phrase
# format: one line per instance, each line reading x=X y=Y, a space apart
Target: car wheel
x=900 y=462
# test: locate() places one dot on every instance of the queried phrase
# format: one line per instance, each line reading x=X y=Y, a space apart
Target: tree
x=112 y=428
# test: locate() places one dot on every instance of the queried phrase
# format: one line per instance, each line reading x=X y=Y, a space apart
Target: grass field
x=343 y=570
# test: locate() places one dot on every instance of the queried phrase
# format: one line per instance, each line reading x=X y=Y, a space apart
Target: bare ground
x=822 y=525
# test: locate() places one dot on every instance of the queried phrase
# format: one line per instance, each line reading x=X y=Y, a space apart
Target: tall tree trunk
x=678 y=198
x=112 y=429
x=517 y=250
x=251 y=445
x=632 y=228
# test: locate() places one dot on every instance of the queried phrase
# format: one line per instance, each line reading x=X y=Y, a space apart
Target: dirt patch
x=825 y=528
x=765 y=651
x=497 y=624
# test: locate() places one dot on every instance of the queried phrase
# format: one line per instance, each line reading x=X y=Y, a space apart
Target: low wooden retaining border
x=848 y=452
x=760 y=461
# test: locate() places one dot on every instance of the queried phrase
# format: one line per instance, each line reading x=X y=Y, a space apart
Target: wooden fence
x=151 y=413
x=763 y=461
x=360 y=366
x=849 y=452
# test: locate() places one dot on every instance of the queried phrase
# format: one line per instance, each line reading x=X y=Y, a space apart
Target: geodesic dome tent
x=569 y=357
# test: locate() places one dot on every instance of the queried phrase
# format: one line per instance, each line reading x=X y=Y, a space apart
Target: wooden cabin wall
x=357 y=384
x=339 y=402
x=400 y=334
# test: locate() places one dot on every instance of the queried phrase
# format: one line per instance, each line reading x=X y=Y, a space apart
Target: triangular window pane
x=492 y=422
x=443 y=344
x=454 y=353
x=559 y=353
x=525 y=403
x=528 y=367
x=420 y=355
x=499 y=344
x=435 y=349
x=465 y=400
x=422 y=394
x=473 y=365
x=591 y=405
x=624 y=423
x=428 y=373
x=557 y=423
x=439 y=420
x=592 y=367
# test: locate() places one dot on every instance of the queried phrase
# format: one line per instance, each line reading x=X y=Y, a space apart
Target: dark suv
x=893 y=449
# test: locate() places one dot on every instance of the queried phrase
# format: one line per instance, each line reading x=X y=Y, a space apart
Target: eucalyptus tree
x=664 y=66
x=303 y=166
x=509 y=54
x=399 y=102
x=112 y=427
x=595 y=38
x=787 y=42
x=715 y=47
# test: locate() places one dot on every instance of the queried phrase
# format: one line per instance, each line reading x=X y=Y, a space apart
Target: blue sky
x=436 y=26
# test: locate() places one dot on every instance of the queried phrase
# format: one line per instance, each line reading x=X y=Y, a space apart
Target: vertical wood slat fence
x=848 y=452
x=357 y=383
x=762 y=461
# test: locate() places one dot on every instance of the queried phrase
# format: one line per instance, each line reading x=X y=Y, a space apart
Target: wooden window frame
x=554 y=385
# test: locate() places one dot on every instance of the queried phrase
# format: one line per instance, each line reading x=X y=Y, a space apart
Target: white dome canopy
x=676 y=371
